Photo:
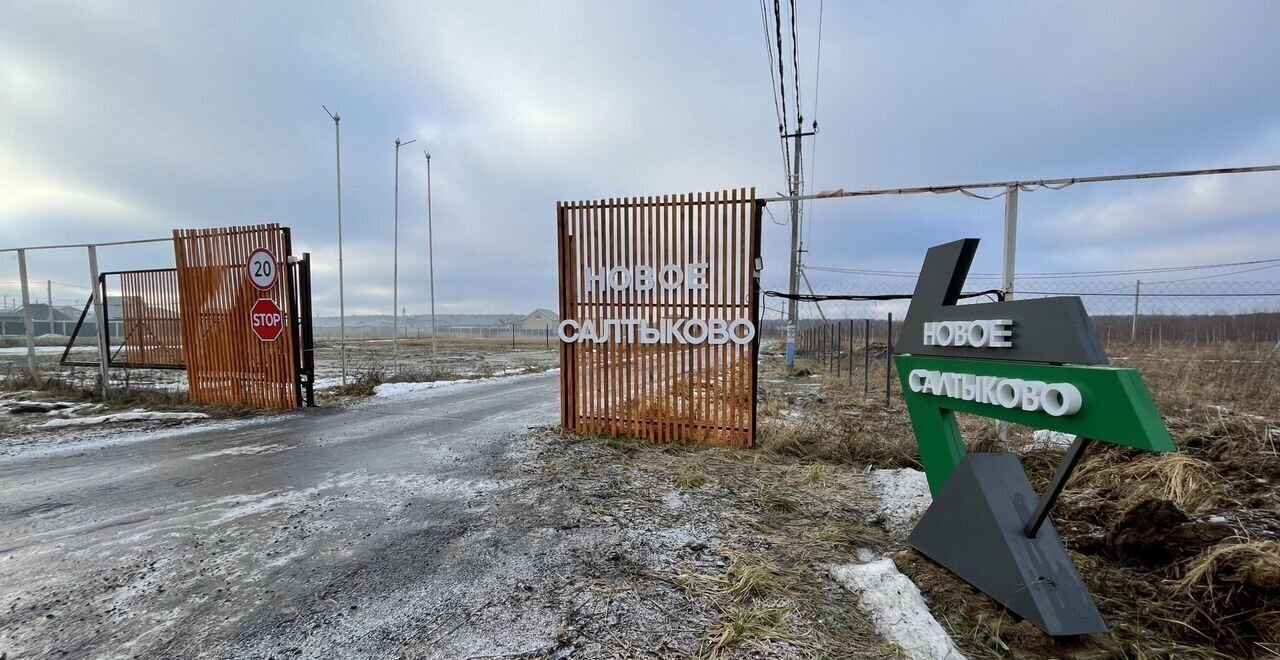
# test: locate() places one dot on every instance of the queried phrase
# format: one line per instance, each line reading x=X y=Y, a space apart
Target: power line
x=795 y=65
x=773 y=83
x=782 y=81
x=813 y=155
x=1205 y=277
x=1071 y=274
x=1152 y=295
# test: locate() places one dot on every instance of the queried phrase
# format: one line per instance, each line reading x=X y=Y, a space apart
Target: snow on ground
x=76 y=440
x=1048 y=440
x=903 y=497
x=44 y=350
x=114 y=418
x=410 y=390
x=896 y=609
x=246 y=450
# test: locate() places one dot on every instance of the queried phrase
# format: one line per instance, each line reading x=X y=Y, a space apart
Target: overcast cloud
x=123 y=120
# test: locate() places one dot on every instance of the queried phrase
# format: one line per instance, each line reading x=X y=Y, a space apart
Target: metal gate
x=665 y=392
x=226 y=362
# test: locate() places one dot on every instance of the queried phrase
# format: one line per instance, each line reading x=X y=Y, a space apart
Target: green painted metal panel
x=1116 y=408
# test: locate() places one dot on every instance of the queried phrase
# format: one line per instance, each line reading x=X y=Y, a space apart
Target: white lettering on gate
x=692 y=277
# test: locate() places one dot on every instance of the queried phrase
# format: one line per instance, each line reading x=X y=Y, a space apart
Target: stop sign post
x=266 y=319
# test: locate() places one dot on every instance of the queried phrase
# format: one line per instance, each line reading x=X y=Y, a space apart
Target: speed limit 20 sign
x=262 y=269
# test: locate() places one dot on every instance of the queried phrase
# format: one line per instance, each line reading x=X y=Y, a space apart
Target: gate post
x=26 y=314
x=100 y=318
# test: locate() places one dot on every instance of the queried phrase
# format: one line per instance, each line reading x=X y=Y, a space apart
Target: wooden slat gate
x=226 y=362
x=670 y=391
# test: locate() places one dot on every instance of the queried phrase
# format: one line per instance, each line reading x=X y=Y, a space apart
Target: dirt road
x=381 y=529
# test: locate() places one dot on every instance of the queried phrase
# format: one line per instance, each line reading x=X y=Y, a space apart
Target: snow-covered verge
x=902 y=495
x=411 y=390
x=114 y=418
x=896 y=609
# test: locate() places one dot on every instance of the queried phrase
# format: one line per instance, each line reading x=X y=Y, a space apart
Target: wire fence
x=1184 y=320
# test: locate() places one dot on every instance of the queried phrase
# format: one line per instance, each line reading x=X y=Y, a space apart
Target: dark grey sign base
x=975 y=528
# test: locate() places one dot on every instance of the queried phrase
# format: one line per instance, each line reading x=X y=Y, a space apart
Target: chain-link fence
x=1159 y=320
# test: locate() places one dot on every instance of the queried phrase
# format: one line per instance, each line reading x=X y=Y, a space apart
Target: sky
x=124 y=120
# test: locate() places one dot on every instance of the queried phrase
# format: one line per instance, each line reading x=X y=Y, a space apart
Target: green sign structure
x=1114 y=406
x=1032 y=362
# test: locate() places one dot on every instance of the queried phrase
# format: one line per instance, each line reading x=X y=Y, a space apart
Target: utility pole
x=431 y=268
x=796 y=190
x=395 y=268
x=342 y=303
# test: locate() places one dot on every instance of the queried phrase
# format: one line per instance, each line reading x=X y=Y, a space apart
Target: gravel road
x=386 y=528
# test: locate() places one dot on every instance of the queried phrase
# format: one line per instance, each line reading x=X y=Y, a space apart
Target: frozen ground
x=431 y=524
x=454 y=356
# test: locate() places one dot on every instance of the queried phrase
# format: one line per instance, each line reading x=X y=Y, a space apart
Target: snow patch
x=896 y=609
x=408 y=390
x=903 y=495
x=247 y=450
x=1043 y=439
x=123 y=417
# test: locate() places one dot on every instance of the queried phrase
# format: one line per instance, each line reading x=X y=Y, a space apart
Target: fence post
x=835 y=346
x=26 y=316
x=100 y=317
x=866 y=359
x=1137 y=292
x=888 y=362
x=513 y=335
x=548 y=329
x=850 y=351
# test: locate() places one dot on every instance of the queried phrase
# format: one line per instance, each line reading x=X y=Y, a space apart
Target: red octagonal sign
x=266 y=319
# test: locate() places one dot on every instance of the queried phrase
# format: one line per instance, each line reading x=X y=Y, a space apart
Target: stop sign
x=266 y=319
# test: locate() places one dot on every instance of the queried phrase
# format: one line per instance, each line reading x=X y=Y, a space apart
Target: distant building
x=539 y=319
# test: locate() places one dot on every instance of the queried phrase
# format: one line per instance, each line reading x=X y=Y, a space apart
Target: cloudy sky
x=123 y=120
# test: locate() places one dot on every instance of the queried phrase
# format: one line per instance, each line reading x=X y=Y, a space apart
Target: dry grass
x=760 y=626
x=1239 y=580
x=1220 y=405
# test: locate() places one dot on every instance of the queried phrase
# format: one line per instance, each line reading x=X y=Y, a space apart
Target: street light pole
x=395 y=268
x=342 y=303
x=431 y=268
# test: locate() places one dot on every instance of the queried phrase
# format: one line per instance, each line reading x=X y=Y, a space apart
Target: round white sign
x=262 y=269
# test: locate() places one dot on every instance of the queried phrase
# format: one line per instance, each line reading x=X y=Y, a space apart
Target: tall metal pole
x=1007 y=279
x=431 y=269
x=395 y=274
x=395 y=268
x=342 y=302
x=1010 y=239
x=794 y=287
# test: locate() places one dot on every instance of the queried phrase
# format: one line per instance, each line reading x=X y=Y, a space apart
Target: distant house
x=539 y=319
x=46 y=320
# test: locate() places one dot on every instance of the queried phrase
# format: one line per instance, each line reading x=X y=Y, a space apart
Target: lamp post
x=342 y=303
x=395 y=267
x=431 y=268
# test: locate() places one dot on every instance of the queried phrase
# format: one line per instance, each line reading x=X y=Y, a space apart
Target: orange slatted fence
x=227 y=362
x=151 y=316
x=670 y=391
